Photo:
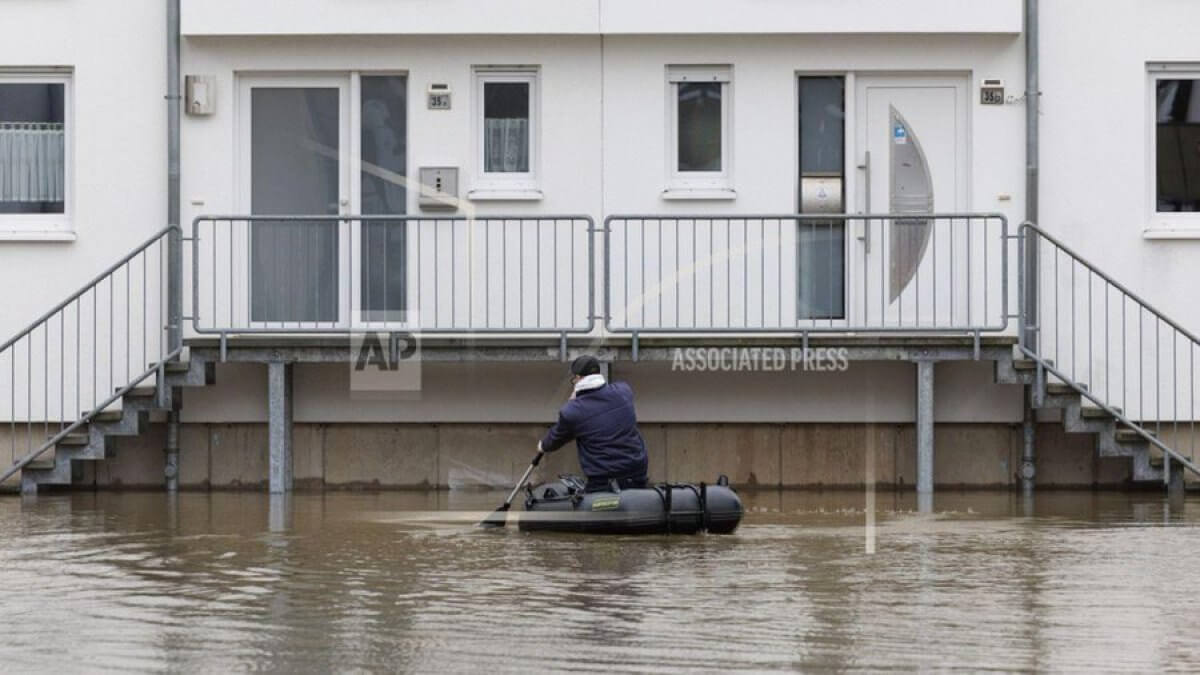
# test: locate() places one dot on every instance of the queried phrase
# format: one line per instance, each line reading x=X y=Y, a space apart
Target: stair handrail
x=1098 y=272
x=1028 y=325
x=84 y=415
x=89 y=286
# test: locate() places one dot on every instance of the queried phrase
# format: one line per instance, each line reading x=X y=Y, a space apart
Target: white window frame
x=47 y=226
x=506 y=186
x=1164 y=224
x=699 y=185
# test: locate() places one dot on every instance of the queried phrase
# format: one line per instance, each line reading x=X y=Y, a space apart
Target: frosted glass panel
x=294 y=170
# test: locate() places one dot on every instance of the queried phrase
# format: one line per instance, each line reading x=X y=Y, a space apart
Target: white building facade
x=628 y=147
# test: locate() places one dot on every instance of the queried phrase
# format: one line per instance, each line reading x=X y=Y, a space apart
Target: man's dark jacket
x=603 y=425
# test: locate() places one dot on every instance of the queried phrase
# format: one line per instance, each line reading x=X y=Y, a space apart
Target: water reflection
x=402 y=581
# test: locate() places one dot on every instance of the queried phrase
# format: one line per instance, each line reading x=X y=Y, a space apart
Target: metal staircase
x=1112 y=363
x=93 y=367
x=1113 y=438
x=91 y=442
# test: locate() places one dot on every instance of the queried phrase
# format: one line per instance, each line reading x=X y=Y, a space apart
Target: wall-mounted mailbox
x=439 y=188
x=200 y=95
x=820 y=193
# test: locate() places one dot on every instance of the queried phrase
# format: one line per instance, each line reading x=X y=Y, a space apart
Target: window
x=506 y=134
x=383 y=139
x=34 y=154
x=1177 y=145
x=822 y=244
x=1173 y=157
x=699 y=153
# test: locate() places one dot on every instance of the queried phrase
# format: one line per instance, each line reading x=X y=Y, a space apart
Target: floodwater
x=402 y=581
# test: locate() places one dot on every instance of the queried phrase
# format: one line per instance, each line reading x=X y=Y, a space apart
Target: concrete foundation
x=368 y=456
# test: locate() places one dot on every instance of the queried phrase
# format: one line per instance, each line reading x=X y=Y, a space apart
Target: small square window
x=506 y=134
x=34 y=155
x=699 y=151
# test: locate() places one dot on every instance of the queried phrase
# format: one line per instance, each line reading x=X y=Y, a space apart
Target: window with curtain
x=506 y=129
x=33 y=171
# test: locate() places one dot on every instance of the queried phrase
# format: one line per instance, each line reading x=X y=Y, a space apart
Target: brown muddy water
x=403 y=582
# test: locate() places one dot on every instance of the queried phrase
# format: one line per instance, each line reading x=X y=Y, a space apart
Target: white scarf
x=588 y=382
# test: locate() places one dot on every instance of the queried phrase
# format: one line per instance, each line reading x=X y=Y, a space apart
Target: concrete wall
x=498 y=393
x=465 y=456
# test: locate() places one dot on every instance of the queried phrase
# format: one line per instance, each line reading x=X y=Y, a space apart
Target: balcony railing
x=945 y=273
x=447 y=274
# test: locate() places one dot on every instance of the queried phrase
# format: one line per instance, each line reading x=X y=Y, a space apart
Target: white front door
x=911 y=139
x=294 y=136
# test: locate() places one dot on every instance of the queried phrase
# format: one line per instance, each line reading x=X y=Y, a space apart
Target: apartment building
x=794 y=226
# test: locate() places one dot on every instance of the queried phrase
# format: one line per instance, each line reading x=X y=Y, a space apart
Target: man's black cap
x=585 y=365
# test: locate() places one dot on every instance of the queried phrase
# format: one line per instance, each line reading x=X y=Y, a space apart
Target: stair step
x=1024 y=364
x=1130 y=436
x=173 y=367
x=73 y=440
x=141 y=392
x=41 y=465
x=108 y=416
x=1061 y=388
x=1089 y=412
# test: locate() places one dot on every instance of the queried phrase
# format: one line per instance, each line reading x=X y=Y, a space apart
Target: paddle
x=499 y=518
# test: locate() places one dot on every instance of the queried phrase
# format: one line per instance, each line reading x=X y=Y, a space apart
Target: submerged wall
x=465 y=456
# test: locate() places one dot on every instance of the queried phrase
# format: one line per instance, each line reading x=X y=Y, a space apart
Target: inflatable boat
x=564 y=506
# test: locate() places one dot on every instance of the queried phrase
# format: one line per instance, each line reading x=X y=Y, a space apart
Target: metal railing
x=1111 y=346
x=430 y=274
x=86 y=353
x=945 y=273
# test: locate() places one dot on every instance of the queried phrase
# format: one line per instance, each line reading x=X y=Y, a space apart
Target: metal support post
x=925 y=427
x=171 y=463
x=279 y=423
x=174 y=240
x=1028 y=442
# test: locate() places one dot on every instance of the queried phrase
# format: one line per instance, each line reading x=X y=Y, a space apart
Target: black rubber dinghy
x=563 y=506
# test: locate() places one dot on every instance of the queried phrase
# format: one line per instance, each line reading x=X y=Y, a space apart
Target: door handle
x=865 y=167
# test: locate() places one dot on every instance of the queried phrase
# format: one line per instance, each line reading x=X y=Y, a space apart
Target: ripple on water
x=1081 y=582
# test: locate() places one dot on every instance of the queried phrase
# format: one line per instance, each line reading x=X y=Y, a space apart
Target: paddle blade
x=499 y=518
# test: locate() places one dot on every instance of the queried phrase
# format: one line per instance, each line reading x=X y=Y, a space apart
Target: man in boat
x=601 y=420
